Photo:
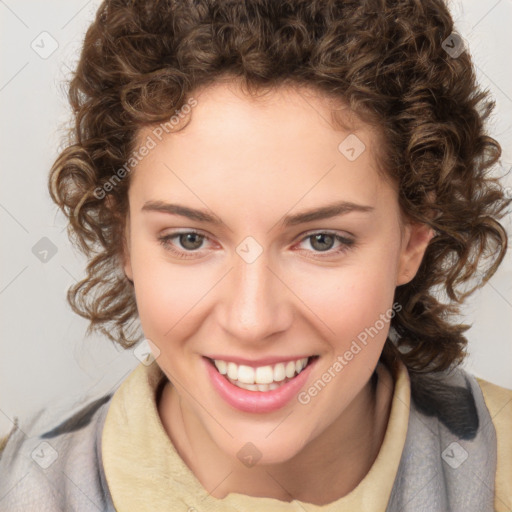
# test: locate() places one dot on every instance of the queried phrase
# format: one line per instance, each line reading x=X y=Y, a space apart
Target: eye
x=323 y=241
x=191 y=241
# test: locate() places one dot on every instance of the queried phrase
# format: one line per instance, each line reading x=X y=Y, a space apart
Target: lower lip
x=257 y=401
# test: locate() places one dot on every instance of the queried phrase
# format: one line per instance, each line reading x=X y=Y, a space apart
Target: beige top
x=142 y=466
x=144 y=470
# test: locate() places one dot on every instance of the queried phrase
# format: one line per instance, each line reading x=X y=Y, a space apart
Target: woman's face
x=254 y=285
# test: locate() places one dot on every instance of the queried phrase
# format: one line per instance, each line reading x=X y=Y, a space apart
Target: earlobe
x=128 y=270
x=125 y=253
x=127 y=265
x=416 y=238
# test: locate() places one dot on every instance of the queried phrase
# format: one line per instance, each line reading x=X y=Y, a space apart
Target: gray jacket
x=448 y=462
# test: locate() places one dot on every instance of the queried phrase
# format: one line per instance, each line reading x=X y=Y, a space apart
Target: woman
x=276 y=193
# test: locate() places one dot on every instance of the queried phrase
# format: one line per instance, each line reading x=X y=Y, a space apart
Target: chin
x=262 y=448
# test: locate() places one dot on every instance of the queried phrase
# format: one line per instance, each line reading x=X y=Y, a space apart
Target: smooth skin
x=250 y=162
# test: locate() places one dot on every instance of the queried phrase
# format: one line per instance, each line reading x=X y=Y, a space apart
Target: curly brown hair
x=385 y=59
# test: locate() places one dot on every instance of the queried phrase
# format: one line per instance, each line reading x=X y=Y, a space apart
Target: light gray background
x=44 y=355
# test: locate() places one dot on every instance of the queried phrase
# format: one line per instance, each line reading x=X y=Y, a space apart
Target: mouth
x=261 y=378
x=259 y=389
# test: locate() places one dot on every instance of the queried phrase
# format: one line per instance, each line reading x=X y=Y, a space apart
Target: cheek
x=166 y=293
x=341 y=301
x=351 y=298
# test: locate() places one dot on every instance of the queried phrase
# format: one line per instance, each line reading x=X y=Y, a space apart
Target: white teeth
x=250 y=387
x=232 y=371
x=279 y=373
x=222 y=367
x=290 y=369
x=261 y=377
x=245 y=374
x=264 y=375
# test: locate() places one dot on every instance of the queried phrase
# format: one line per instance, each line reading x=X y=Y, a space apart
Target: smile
x=260 y=378
x=259 y=389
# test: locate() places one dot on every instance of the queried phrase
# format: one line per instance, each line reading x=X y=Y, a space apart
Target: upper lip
x=271 y=360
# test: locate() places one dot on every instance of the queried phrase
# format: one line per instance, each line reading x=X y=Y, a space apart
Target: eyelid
x=195 y=231
x=346 y=243
x=345 y=234
x=299 y=238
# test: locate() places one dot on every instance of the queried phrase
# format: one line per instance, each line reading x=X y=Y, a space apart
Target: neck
x=326 y=469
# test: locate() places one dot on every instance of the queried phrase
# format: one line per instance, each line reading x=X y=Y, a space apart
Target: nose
x=257 y=302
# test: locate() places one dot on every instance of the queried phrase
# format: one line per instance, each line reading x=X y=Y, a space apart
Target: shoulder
x=498 y=401
x=457 y=398
x=53 y=462
x=472 y=408
x=455 y=450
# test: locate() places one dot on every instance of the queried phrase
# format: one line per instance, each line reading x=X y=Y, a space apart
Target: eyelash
x=346 y=243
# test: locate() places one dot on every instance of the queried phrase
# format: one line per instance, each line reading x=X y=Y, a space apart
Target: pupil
x=186 y=238
x=321 y=237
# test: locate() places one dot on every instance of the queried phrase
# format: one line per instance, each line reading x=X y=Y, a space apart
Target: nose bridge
x=255 y=303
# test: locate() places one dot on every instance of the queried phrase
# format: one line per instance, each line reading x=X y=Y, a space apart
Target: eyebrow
x=324 y=212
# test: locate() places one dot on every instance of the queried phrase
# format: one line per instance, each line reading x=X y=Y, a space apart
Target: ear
x=127 y=261
x=125 y=256
x=415 y=239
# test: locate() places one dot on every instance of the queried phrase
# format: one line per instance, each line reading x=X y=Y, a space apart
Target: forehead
x=285 y=139
x=227 y=104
